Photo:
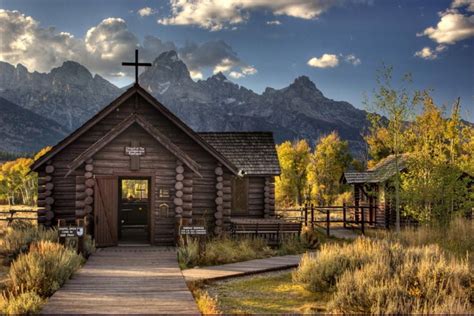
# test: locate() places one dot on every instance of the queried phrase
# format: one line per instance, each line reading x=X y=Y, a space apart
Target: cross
x=136 y=64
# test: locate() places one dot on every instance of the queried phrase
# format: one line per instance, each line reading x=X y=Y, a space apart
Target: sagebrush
x=376 y=276
x=44 y=269
x=228 y=250
x=23 y=303
x=20 y=235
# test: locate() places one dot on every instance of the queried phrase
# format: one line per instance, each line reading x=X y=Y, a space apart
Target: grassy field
x=270 y=293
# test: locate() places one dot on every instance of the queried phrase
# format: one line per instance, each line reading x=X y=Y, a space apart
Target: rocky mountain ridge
x=23 y=131
x=70 y=95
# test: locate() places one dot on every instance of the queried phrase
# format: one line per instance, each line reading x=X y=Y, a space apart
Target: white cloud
x=463 y=3
x=430 y=54
x=147 y=11
x=325 y=61
x=352 y=59
x=236 y=74
x=196 y=75
x=103 y=48
x=225 y=65
x=110 y=39
x=244 y=72
x=24 y=41
x=274 y=22
x=249 y=70
x=217 y=14
x=210 y=54
x=426 y=53
x=453 y=26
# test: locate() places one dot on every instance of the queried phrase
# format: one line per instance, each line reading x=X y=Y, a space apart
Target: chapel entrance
x=134 y=210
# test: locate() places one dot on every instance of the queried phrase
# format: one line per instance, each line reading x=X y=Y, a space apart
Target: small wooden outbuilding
x=135 y=170
x=374 y=191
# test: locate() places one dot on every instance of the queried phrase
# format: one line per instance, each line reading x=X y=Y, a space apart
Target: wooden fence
x=10 y=215
x=327 y=217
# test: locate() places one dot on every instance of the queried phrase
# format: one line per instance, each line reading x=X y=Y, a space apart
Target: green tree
x=434 y=187
x=327 y=164
x=397 y=105
x=17 y=183
x=294 y=159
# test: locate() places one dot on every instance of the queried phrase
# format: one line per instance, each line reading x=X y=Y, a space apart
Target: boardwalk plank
x=242 y=268
x=126 y=280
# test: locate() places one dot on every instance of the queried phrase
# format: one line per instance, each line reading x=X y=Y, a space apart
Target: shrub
x=188 y=256
x=24 y=303
x=207 y=304
x=423 y=282
x=227 y=250
x=44 y=268
x=89 y=245
x=292 y=245
x=319 y=271
x=455 y=238
x=223 y=250
x=374 y=276
x=20 y=235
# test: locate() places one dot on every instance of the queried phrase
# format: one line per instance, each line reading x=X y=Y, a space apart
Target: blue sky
x=356 y=36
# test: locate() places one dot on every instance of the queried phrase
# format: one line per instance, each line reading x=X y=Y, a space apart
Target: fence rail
x=350 y=216
x=9 y=215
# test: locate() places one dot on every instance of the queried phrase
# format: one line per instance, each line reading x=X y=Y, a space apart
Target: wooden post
x=356 y=202
x=344 y=215
x=80 y=239
x=62 y=223
x=202 y=245
x=278 y=233
x=306 y=215
x=362 y=221
x=178 y=229
x=312 y=216
x=328 y=222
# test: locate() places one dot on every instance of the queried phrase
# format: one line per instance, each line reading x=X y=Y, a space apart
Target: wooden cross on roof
x=136 y=64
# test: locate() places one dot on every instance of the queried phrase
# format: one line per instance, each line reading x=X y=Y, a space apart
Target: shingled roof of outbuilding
x=252 y=152
x=381 y=172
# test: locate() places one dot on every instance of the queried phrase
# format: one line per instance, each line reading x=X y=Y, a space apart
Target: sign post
x=200 y=232
x=77 y=232
x=135 y=151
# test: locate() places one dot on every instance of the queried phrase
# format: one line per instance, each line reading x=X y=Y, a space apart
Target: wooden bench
x=274 y=231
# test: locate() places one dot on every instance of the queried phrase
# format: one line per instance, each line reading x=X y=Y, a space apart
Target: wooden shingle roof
x=252 y=152
x=381 y=172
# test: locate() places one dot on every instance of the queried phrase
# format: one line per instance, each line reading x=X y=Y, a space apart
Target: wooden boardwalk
x=242 y=268
x=126 y=280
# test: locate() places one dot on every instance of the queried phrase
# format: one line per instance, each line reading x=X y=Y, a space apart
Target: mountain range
x=38 y=109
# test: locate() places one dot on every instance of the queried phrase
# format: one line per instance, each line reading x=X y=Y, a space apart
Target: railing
x=350 y=216
x=9 y=215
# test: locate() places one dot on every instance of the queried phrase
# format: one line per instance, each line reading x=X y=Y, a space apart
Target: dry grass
x=20 y=235
x=270 y=293
x=24 y=303
x=374 y=276
x=456 y=239
x=44 y=268
x=229 y=250
x=4 y=208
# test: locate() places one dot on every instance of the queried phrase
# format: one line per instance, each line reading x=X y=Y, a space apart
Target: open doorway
x=134 y=208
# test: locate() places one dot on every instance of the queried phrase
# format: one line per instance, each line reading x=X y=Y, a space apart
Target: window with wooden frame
x=240 y=195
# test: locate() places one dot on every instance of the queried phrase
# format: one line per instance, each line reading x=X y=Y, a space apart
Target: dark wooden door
x=106 y=208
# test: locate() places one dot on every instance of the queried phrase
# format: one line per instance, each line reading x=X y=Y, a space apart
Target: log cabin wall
x=158 y=163
x=256 y=197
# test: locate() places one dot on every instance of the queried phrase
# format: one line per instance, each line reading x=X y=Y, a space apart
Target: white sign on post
x=193 y=230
